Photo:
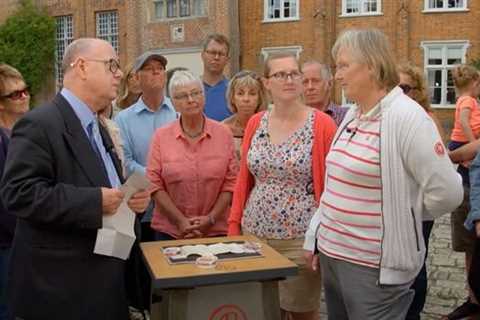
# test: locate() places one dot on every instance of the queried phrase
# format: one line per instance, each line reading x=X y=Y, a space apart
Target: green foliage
x=475 y=63
x=27 y=42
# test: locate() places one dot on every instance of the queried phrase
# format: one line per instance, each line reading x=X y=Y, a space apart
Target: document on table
x=117 y=235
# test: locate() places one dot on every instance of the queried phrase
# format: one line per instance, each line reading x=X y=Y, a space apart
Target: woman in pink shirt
x=192 y=167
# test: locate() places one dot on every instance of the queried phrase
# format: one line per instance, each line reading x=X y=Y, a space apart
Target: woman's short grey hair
x=183 y=78
x=370 y=47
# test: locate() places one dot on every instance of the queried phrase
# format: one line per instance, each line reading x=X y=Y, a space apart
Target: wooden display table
x=243 y=289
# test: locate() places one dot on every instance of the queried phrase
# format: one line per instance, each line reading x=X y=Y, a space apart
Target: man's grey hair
x=325 y=71
x=183 y=78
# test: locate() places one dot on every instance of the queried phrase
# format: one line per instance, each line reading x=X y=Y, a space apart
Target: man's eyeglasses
x=283 y=76
x=406 y=88
x=112 y=64
x=215 y=53
x=17 y=94
x=184 y=96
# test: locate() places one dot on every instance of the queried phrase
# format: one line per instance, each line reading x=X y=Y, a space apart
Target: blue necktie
x=91 y=137
x=105 y=159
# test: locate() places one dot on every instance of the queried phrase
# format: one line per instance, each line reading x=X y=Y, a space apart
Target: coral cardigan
x=324 y=129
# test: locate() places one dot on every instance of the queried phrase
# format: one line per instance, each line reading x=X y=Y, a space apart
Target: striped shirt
x=351 y=220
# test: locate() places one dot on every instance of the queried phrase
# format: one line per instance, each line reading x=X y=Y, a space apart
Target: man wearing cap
x=215 y=57
x=138 y=122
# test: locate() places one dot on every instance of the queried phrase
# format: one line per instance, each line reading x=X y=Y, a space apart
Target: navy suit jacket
x=52 y=183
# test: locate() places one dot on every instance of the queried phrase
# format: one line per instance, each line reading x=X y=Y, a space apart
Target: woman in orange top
x=281 y=178
x=245 y=96
x=192 y=167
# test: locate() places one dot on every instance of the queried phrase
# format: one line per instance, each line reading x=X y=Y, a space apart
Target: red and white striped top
x=351 y=205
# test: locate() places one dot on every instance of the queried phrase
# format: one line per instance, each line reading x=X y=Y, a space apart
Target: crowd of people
x=349 y=194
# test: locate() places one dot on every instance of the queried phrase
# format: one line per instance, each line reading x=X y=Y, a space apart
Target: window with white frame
x=276 y=10
x=107 y=27
x=432 y=5
x=168 y=9
x=439 y=60
x=296 y=50
x=361 y=7
x=64 y=36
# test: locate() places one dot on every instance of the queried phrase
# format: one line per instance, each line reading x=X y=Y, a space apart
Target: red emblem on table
x=228 y=312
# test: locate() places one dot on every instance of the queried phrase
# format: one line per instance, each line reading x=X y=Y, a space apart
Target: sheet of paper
x=117 y=235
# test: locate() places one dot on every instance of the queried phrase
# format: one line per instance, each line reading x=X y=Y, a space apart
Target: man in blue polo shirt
x=215 y=57
x=138 y=122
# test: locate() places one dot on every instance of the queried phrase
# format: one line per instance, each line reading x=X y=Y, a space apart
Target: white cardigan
x=417 y=176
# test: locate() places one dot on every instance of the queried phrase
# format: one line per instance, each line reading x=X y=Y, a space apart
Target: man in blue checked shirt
x=138 y=122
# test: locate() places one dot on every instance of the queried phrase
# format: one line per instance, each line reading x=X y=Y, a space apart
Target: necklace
x=195 y=135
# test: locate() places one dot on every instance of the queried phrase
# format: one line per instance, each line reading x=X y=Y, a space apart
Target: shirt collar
x=207 y=129
x=216 y=84
x=82 y=111
x=140 y=105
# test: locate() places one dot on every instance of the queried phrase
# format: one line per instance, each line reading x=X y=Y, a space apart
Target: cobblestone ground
x=446 y=273
x=446 y=276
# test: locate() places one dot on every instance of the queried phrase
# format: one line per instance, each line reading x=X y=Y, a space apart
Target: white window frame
x=62 y=40
x=177 y=9
x=361 y=12
x=265 y=52
x=445 y=8
x=444 y=45
x=112 y=25
x=266 y=18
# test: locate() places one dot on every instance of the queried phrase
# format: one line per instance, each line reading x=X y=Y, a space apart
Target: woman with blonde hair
x=387 y=165
x=413 y=84
x=129 y=91
x=245 y=96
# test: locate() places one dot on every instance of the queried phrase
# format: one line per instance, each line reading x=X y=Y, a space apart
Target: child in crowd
x=466 y=129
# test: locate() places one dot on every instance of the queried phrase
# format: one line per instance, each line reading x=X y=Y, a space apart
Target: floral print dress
x=282 y=201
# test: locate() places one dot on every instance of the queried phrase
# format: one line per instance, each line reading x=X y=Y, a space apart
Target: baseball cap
x=147 y=56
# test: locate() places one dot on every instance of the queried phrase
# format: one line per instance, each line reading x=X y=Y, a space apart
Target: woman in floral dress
x=281 y=179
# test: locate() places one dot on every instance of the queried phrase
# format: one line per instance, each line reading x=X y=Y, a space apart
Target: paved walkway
x=446 y=288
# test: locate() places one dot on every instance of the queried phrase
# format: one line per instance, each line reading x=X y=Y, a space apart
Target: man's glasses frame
x=214 y=53
x=283 y=76
x=112 y=64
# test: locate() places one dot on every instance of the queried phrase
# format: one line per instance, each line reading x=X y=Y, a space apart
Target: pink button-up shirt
x=193 y=174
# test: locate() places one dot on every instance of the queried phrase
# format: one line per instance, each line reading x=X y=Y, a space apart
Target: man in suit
x=61 y=177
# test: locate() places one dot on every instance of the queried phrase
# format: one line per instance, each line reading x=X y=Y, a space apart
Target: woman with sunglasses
x=14 y=102
x=412 y=83
x=192 y=167
x=281 y=179
x=245 y=97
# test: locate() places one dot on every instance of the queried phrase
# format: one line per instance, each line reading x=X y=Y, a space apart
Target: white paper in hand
x=117 y=235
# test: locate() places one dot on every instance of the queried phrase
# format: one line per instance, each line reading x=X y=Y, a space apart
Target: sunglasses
x=17 y=94
x=246 y=73
x=406 y=88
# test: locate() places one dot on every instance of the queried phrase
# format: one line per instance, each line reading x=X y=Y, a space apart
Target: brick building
x=177 y=27
x=433 y=34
